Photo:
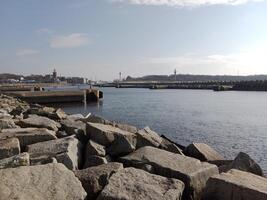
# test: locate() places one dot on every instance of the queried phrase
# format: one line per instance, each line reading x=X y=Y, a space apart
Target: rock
x=14 y=161
x=28 y=136
x=60 y=114
x=202 y=152
x=236 y=185
x=72 y=127
x=39 y=122
x=178 y=145
x=121 y=146
x=61 y=134
x=9 y=147
x=126 y=127
x=97 y=119
x=131 y=183
x=92 y=148
x=106 y=134
x=66 y=150
x=189 y=170
x=75 y=117
x=243 y=162
x=147 y=137
x=51 y=181
x=7 y=123
x=19 y=110
x=168 y=146
x=94 y=179
x=94 y=160
x=43 y=159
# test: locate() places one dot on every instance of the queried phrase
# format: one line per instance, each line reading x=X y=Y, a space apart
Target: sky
x=97 y=39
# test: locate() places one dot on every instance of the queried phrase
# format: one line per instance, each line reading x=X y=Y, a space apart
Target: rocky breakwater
x=47 y=154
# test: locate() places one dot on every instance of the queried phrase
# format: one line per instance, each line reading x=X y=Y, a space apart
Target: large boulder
x=93 y=148
x=202 y=152
x=22 y=159
x=245 y=163
x=7 y=123
x=66 y=150
x=51 y=181
x=95 y=160
x=39 y=122
x=106 y=134
x=189 y=170
x=131 y=183
x=49 y=112
x=72 y=127
x=9 y=147
x=94 y=179
x=121 y=146
x=236 y=185
x=28 y=136
x=169 y=146
x=147 y=137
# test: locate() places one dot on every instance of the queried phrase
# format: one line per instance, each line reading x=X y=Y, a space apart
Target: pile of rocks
x=47 y=154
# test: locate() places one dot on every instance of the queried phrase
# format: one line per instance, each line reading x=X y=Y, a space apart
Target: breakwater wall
x=47 y=154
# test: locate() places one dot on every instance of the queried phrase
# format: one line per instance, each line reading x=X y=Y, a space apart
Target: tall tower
x=175 y=74
x=120 y=76
x=54 y=75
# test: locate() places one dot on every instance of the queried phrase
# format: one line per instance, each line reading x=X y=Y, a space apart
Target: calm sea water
x=228 y=121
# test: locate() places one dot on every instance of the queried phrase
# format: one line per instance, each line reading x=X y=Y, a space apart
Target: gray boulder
x=9 y=147
x=93 y=148
x=66 y=150
x=7 y=123
x=189 y=170
x=15 y=161
x=236 y=185
x=121 y=146
x=28 y=136
x=245 y=163
x=94 y=160
x=106 y=134
x=131 y=183
x=147 y=137
x=72 y=127
x=94 y=179
x=39 y=122
x=43 y=182
x=169 y=146
x=202 y=152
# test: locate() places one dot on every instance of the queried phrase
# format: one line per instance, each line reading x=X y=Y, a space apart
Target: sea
x=230 y=121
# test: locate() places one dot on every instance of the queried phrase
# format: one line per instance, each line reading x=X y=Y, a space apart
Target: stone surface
x=39 y=122
x=243 y=162
x=15 y=161
x=126 y=127
x=202 y=152
x=28 y=136
x=131 y=183
x=9 y=147
x=189 y=170
x=94 y=179
x=169 y=146
x=93 y=148
x=41 y=160
x=42 y=182
x=236 y=185
x=147 y=137
x=106 y=134
x=7 y=123
x=121 y=146
x=72 y=127
x=94 y=160
x=66 y=150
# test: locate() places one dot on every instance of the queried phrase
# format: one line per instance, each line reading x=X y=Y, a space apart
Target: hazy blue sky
x=100 y=38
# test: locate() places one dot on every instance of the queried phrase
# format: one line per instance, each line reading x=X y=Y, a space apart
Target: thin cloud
x=44 y=30
x=26 y=52
x=186 y=3
x=70 y=41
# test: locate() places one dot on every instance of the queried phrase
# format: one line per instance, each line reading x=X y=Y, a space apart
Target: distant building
x=54 y=75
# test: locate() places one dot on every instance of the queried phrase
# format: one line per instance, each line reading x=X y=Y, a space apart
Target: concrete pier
x=92 y=95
